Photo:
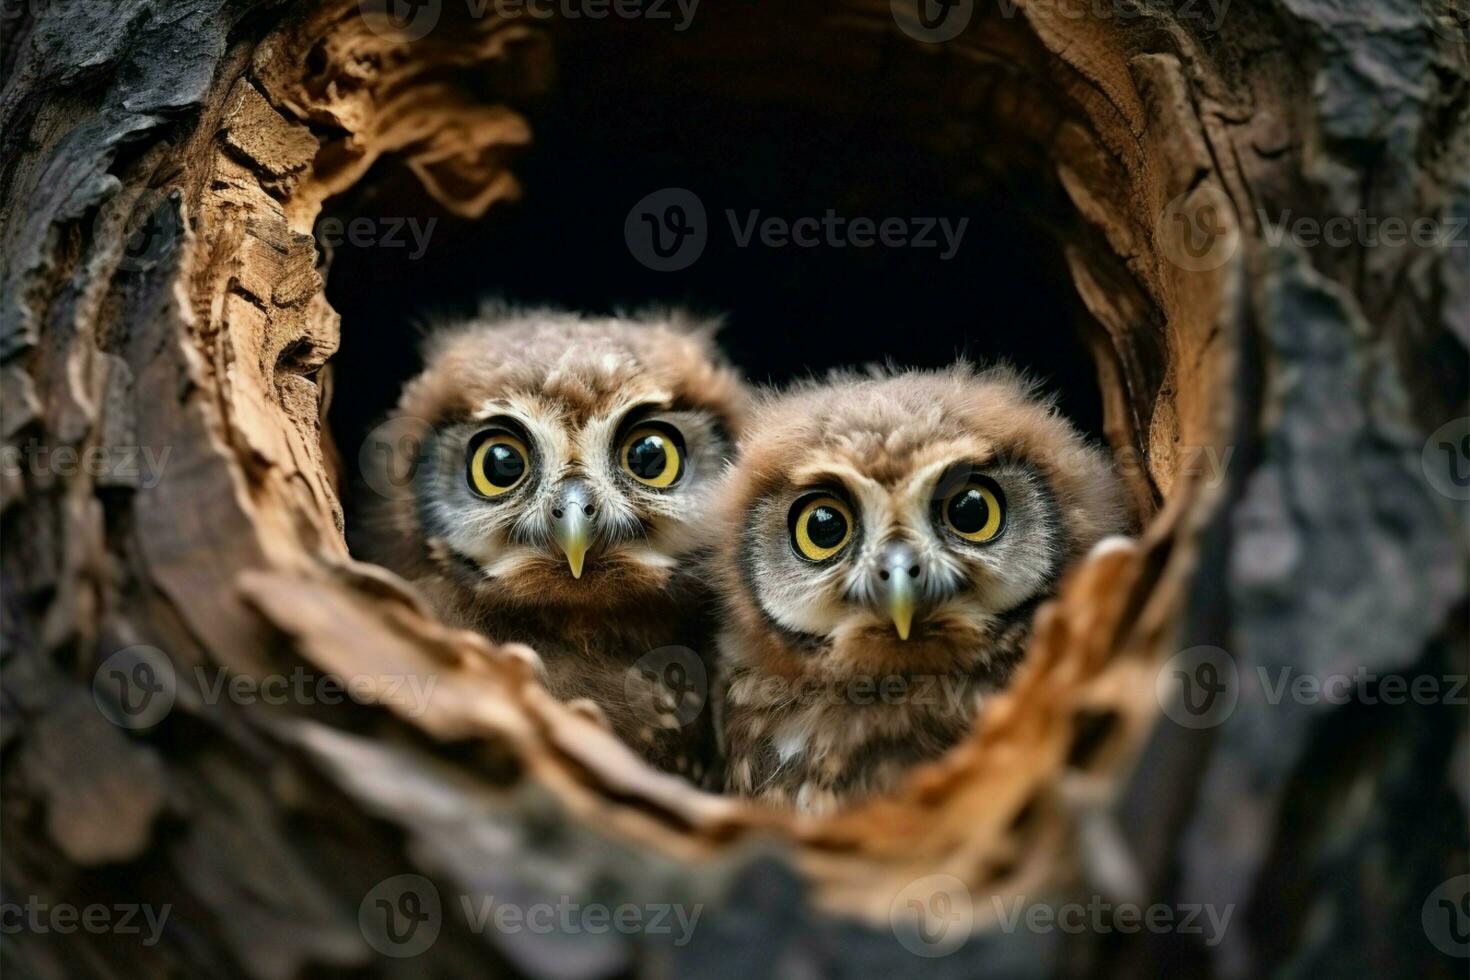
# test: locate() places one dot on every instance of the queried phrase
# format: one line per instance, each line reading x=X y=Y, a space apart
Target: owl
x=557 y=477
x=888 y=538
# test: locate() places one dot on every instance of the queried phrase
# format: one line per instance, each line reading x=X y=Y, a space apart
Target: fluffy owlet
x=888 y=539
x=556 y=489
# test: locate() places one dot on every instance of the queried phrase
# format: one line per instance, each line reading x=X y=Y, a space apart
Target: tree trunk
x=182 y=615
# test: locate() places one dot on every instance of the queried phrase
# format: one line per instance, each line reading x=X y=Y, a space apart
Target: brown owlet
x=888 y=539
x=557 y=475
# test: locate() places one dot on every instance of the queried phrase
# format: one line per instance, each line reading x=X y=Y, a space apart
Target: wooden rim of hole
x=326 y=96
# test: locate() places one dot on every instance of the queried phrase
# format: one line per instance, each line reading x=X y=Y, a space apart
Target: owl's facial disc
x=822 y=525
x=651 y=454
x=935 y=559
x=550 y=506
x=971 y=507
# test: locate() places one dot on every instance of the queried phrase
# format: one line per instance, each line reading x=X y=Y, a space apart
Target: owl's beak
x=572 y=526
x=898 y=580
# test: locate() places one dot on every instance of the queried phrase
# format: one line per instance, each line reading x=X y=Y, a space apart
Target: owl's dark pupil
x=647 y=457
x=968 y=511
x=826 y=527
x=504 y=465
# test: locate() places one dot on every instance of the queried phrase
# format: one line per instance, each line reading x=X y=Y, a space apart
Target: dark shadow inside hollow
x=981 y=272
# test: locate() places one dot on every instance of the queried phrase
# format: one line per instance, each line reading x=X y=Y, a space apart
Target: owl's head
x=566 y=461
x=904 y=521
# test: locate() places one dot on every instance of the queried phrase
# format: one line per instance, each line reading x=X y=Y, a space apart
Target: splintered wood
x=328 y=96
x=244 y=543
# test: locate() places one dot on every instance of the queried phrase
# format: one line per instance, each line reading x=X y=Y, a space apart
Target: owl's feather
x=807 y=647
x=570 y=387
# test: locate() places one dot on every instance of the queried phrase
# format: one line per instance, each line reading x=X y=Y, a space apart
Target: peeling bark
x=161 y=169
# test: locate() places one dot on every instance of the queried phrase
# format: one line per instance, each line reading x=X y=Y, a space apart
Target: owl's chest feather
x=816 y=747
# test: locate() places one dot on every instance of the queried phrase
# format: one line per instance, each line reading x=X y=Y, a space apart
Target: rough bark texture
x=161 y=168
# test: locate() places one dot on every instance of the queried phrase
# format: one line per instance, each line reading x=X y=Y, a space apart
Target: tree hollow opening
x=905 y=207
x=515 y=158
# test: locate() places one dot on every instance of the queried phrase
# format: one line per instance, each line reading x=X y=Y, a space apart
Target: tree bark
x=172 y=519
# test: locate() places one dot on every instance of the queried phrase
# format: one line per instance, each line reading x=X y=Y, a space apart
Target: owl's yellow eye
x=821 y=526
x=651 y=455
x=498 y=463
x=976 y=511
